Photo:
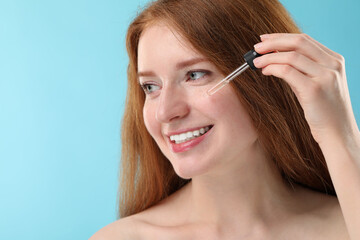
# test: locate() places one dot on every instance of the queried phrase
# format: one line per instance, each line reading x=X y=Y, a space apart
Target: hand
x=316 y=75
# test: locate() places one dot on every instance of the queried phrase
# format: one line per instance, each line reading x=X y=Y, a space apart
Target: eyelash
x=206 y=73
x=144 y=87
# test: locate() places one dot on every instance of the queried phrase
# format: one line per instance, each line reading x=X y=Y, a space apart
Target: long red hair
x=221 y=30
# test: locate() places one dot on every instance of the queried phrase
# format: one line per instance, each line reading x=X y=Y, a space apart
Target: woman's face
x=198 y=133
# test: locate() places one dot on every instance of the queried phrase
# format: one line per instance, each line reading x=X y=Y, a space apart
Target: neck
x=247 y=192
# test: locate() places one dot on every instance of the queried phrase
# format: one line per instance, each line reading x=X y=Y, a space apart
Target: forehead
x=160 y=44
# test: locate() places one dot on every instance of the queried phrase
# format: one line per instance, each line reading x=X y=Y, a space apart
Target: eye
x=195 y=75
x=149 y=88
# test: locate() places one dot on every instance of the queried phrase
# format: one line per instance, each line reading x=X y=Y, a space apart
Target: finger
x=298 y=43
x=323 y=47
x=338 y=61
x=264 y=37
x=296 y=60
x=293 y=77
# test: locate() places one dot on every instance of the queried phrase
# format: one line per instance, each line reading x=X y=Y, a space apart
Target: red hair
x=222 y=31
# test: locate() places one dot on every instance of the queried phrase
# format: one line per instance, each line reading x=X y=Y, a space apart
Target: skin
x=236 y=192
x=317 y=76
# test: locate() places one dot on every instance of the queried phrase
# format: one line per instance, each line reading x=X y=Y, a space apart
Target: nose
x=172 y=104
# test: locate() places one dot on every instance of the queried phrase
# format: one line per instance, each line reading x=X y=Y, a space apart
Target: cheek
x=150 y=121
x=228 y=110
x=222 y=105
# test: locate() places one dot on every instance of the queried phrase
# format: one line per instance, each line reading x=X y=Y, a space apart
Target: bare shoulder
x=327 y=222
x=122 y=229
x=147 y=224
x=336 y=222
x=139 y=227
x=151 y=223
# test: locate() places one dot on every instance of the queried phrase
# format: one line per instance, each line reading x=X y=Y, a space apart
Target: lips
x=186 y=136
x=188 y=144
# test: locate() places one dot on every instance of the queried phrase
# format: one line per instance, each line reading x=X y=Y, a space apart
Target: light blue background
x=62 y=90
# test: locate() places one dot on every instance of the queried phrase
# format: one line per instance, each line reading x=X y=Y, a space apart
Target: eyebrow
x=179 y=66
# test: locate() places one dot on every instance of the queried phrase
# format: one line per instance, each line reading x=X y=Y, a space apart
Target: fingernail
x=256 y=62
x=258 y=45
x=264 y=36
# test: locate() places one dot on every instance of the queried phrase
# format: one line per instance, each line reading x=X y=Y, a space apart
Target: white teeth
x=188 y=135
x=196 y=133
x=182 y=136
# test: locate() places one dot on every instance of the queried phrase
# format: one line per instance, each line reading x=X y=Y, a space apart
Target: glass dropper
x=249 y=58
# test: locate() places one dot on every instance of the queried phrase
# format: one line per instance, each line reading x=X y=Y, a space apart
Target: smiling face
x=198 y=133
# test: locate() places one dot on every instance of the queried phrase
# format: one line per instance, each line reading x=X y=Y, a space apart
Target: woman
x=273 y=155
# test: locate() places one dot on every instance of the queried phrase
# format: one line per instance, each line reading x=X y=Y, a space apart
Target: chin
x=191 y=169
x=184 y=173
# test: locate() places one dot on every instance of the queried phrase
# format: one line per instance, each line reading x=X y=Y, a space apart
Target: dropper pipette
x=249 y=58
